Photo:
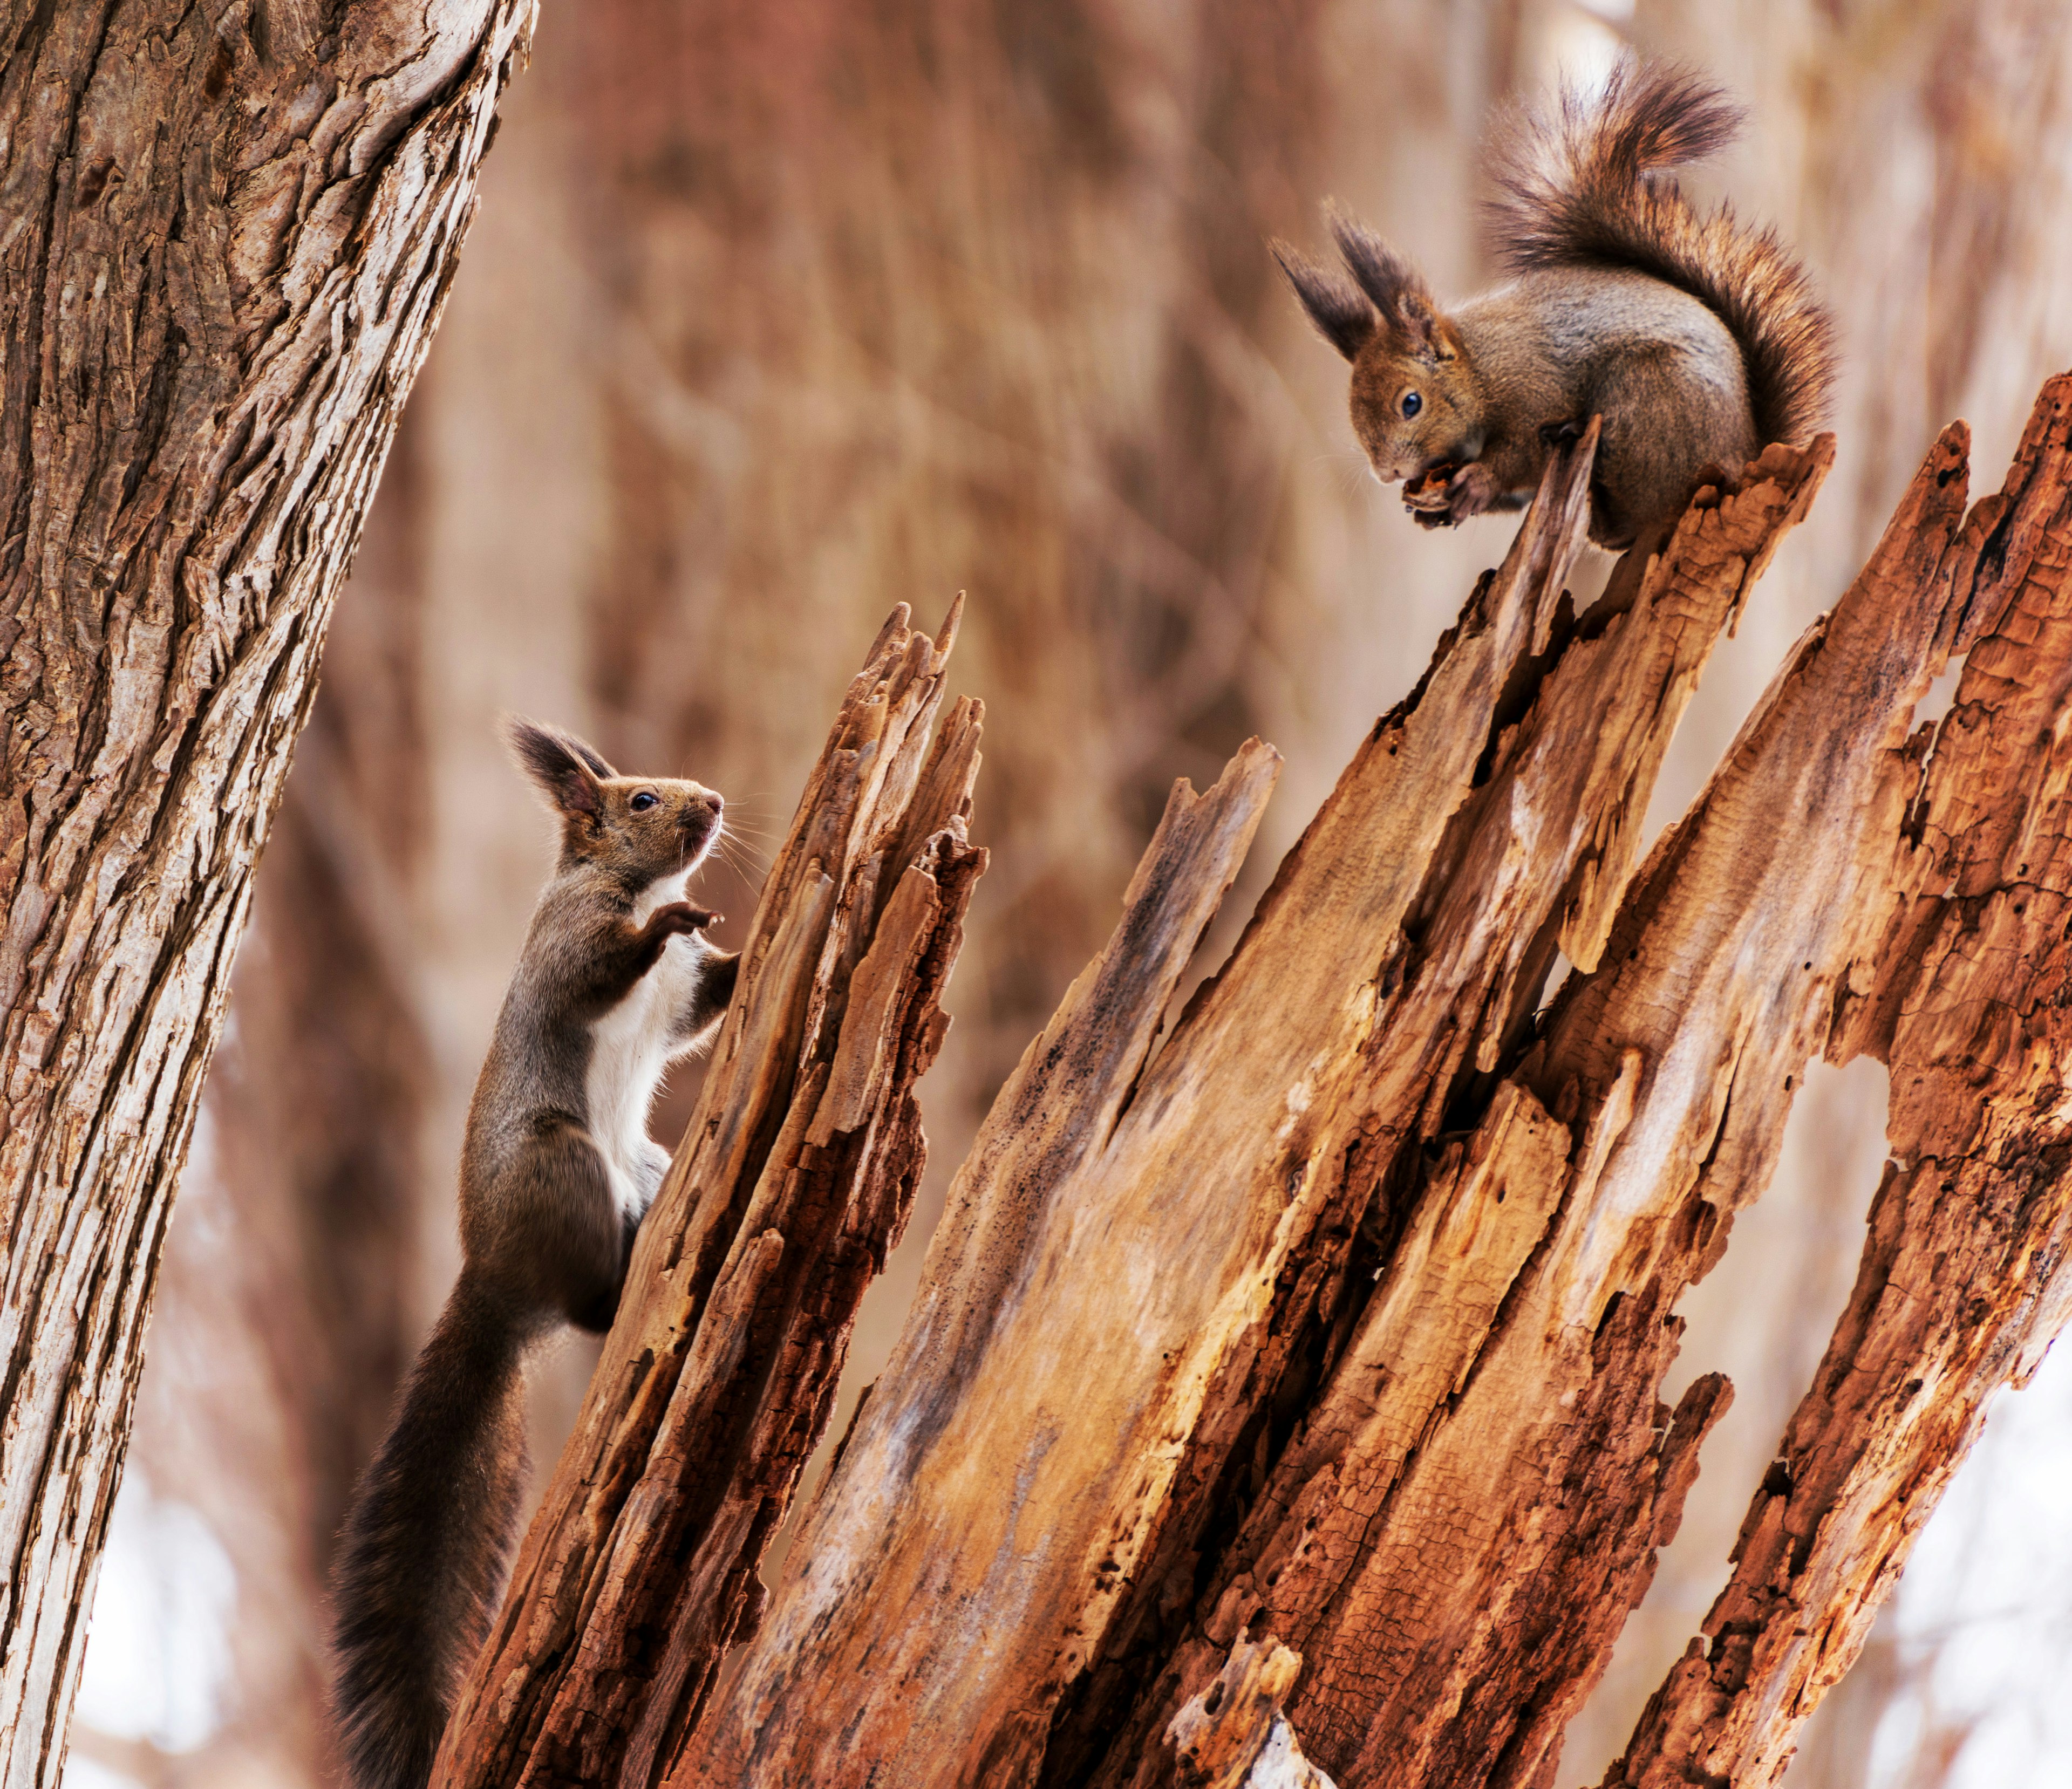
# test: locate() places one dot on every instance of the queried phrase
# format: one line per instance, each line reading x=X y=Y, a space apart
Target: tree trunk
x=226 y=246
x=1281 y=1403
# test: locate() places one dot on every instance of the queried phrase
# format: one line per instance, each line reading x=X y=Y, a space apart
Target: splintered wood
x=1960 y=986
x=792 y=1184
x=1281 y=1401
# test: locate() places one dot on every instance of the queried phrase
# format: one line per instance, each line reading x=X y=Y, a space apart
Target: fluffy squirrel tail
x=1587 y=184
x=427 y=1542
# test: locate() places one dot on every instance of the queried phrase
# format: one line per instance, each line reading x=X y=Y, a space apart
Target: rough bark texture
x=224 y=246
x=792 y=1182
x=1964 y=1281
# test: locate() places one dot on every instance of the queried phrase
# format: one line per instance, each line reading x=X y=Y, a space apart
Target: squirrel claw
x=1468 y=492
x=1560 y=434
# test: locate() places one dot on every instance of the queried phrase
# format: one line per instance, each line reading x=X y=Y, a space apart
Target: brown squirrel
x=556 y=1173
x=1697 y=340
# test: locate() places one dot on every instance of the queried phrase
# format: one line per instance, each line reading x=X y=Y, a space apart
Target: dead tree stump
x=1280 y=1403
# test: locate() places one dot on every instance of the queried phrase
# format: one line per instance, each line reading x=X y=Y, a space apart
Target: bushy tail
x=428 y=1541
x=1585 y=185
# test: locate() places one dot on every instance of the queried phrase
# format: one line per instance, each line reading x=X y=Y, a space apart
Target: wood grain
x=1198 y=1249
x=1282 y=1396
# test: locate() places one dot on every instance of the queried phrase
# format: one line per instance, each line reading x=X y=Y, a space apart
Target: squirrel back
x=1584 y=187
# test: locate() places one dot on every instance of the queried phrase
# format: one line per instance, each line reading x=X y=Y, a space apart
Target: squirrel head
x=637 y=829
x=1416 y=403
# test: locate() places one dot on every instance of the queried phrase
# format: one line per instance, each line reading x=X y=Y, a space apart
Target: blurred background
x=776 y=315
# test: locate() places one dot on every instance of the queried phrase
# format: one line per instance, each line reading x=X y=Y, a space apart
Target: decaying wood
x=1340 y=1318
x=793 y=1180
x=1234 y=1735
x=1114 y=1305
x=1964 y=1280
x=225 y=240
x=1459 y=1624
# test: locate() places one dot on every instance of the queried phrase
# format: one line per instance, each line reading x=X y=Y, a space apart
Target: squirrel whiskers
x=1697 y=339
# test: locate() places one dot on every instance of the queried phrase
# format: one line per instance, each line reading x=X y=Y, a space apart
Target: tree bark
x=793 y=1182
x=223 y=247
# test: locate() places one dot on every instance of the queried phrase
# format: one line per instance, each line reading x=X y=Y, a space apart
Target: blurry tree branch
x=1282 y=1399
x=225 y=241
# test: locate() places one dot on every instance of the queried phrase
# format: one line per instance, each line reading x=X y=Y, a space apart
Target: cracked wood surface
x=792 y=1184
x=1226 y=1198
x=1965 y=1279
x=1342 y=1318
x=1456 y=1577
x=1374 y=1534
x=1234 y=1735
x=224 y=244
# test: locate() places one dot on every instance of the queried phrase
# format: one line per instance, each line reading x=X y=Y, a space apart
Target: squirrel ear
x=562 y=765
x=1341 y=316
x=1398 y=289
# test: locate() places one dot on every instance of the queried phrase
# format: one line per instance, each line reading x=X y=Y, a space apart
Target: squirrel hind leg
x=568 y=1259
x=1663 y=426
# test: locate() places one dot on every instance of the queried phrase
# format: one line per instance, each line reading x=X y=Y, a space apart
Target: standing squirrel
x=556 y=1173
x=1697 y=339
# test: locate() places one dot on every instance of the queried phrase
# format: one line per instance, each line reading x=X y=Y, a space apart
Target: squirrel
x=1697 y=339
x=556 y=1171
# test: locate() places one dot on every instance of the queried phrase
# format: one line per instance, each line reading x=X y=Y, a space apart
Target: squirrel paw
x=680 y=916
x=1468 y=492
x=1442 y=495
x=1560 y=434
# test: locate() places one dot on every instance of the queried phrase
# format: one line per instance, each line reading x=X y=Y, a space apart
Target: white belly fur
x=629 y=1051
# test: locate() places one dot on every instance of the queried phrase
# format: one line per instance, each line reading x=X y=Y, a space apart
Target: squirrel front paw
x=680 y=916
x=1441 y=496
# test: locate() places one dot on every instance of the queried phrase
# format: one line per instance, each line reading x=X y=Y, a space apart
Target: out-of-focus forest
x=774 y=315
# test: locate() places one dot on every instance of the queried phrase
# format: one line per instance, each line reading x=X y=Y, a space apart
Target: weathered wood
x=794 y=1180
x=225 y=240
x=1456 y=1235
x=1342 y=1318
x=1044 y=1456
x=1964 y=1280
x=1233 y=1735
x=1456 y=1591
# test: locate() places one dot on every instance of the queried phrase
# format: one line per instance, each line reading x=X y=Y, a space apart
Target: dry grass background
x=774 y=315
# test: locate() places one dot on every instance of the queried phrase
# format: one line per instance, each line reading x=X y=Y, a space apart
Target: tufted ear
x=1401 y=298
x=567 y=769
x=1342 y=317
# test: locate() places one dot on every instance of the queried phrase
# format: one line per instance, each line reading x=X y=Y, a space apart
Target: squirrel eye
x=1411 y=403
x=642 y=802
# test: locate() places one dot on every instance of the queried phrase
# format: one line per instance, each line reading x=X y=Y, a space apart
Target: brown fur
x=1696 y=339
x=556 y=1169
